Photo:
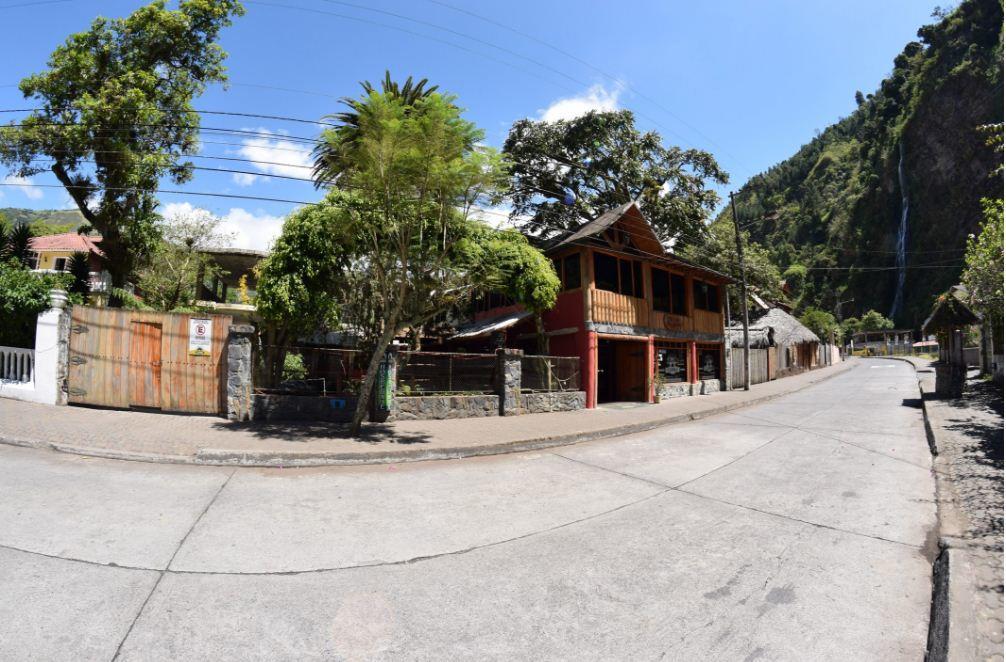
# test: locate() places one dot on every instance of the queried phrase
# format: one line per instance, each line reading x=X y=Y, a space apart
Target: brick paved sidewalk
x=968 y=434
x=211 y=440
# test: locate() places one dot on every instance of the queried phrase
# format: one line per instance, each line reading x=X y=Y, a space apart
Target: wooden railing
x=613 y=308
x=17 y=364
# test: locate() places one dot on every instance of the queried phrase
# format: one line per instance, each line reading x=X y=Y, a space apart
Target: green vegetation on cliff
x=830 y=217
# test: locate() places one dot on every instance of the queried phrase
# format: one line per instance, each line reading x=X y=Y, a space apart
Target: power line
x=32 y=4
x=131 y=126
x=400 y=29
x=618 y=81
x=158 y=190
x=229 y=113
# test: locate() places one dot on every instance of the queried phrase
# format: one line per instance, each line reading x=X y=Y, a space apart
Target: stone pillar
x=508 y=380
x=239 y=372
x=382 y=402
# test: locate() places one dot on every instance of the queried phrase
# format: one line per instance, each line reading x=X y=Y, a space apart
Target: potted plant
x=658 y=381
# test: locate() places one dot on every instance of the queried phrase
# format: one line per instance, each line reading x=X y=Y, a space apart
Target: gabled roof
x=951 y=311
x=67 y=241
x=643 y=236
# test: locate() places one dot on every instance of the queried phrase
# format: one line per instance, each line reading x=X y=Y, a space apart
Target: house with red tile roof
x=53 y=252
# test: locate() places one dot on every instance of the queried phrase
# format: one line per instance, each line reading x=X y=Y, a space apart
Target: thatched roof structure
x=786 y=329
x=759 y=337
x=950 y=311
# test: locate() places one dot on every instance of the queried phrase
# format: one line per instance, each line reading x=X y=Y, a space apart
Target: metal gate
x=127 y=358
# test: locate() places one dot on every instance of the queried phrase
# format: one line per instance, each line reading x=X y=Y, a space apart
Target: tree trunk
x=539 y=325
x=367 y=388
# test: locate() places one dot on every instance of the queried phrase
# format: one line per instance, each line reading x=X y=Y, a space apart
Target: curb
x=240 y=458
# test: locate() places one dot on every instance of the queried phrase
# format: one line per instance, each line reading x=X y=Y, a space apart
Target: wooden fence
x=168 y=361
x=759 y=367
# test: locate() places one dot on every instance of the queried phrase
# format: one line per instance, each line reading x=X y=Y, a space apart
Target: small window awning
x=490 y=325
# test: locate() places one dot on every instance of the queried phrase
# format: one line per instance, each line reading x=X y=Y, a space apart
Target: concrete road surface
x=797 y=530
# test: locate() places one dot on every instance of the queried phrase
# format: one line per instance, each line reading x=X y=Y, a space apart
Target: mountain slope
x=837 y=206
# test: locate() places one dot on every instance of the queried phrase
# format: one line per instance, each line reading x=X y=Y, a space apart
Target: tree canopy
x=393 y=244
x=568 y=171
x=983 y=271
x=115 y=117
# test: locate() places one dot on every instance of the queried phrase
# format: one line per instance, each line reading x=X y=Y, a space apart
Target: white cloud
x=273 y=155
x=249 y=229
x=257 y=230
x=596 y=98
x=24 y=184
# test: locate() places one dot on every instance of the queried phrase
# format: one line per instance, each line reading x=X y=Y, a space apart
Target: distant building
x=52 y=253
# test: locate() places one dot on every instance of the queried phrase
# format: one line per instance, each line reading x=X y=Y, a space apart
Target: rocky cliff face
x=836 y=207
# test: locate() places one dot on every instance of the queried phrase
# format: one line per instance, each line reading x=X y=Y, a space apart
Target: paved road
x=796 y=530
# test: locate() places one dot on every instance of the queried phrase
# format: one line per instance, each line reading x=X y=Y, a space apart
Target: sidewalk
x=967 y=438
x=209 y=440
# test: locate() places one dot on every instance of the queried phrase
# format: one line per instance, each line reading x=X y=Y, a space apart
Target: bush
x=23 y=295
x=293 y=367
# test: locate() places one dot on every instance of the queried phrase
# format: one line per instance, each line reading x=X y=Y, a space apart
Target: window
x=568 y=271
x=59 y=264
x=709 y=363
x=661 y=290
x=625 y=276
x=605 y=272
x=571 y=272
x=706 y=296
x=672 y=363
x=678 y=295
x=617 y=275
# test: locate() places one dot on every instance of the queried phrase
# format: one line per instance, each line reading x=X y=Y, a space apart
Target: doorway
x=145 y=365
x=621 y=371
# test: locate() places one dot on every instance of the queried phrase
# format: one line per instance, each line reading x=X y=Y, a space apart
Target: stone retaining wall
x=679 y=389
x=536 y=403
x=437 y=407
x=283 y=407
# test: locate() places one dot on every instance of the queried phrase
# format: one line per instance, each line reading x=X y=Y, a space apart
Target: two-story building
x=638 y=317
x=52 y=253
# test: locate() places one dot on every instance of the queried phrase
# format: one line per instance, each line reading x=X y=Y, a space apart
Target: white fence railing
x=17 y=364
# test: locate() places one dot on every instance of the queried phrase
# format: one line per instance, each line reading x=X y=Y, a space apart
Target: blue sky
x=748 y=81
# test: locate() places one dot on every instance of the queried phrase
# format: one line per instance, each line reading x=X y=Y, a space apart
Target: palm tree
x=17 y=244
x=81 y=271
x=328 y=159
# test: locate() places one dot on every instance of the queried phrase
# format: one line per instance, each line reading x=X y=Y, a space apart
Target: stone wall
x=284 y=407
x=679 y=389
x=675 y=390
x=437 y=407
x=536 y=403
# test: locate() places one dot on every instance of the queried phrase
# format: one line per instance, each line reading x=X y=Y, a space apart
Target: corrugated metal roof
x=490 y=325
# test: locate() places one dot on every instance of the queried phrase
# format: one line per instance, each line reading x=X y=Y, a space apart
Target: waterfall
x=899 y=291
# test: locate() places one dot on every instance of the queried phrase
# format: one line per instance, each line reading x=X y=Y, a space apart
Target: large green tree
x=170 y=278
x=116 y=117
x=983 y=271
x=567 y=171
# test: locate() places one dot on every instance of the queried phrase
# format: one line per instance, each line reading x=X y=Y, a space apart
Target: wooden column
x=693 y=362
x=588 y=364
x=650 y=370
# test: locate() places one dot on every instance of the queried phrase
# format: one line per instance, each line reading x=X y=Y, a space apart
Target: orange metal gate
x=125 y=358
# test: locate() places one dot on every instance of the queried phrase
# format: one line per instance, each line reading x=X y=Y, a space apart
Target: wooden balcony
x=613 y=308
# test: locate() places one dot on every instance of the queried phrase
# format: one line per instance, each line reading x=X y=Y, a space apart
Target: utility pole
x=744 y=296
